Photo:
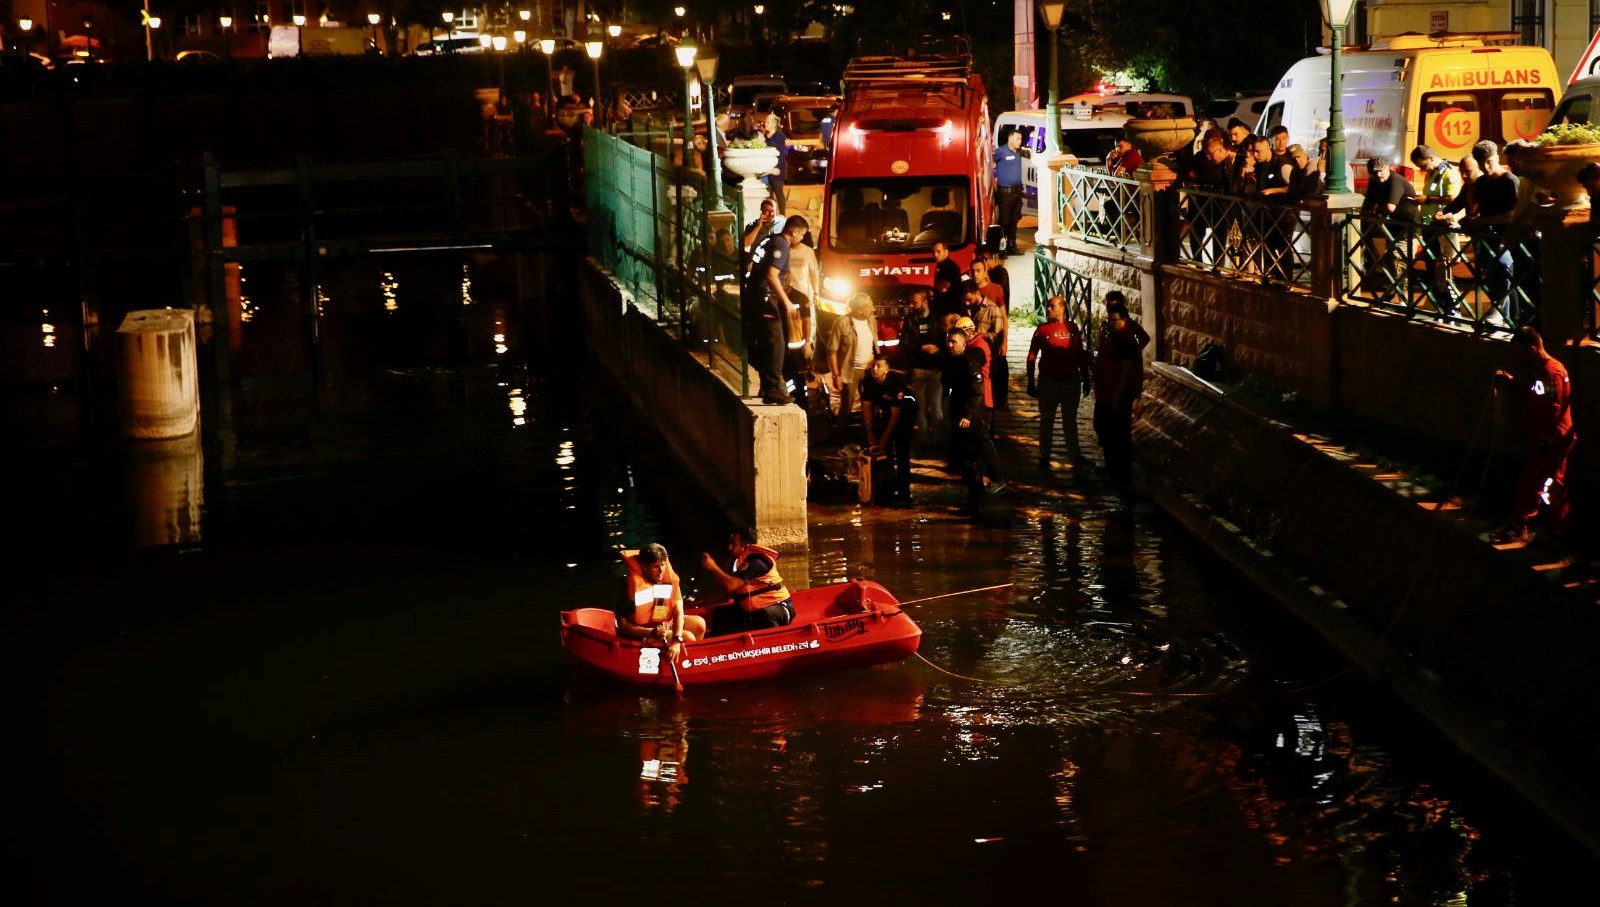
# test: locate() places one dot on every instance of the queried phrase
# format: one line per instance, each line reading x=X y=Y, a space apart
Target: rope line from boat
x=918 y=601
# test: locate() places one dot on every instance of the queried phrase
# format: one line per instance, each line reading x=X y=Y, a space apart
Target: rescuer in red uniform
x=1541 y=382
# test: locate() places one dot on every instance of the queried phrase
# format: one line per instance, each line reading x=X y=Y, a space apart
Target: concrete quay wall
x=747 y=458
x=1483 y=646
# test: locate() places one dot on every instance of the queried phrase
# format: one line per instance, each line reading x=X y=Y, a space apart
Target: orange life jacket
x=762 y=591
x=648 y=608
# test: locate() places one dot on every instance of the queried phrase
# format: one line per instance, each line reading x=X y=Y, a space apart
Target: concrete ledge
x=1469 y=636
x=747 y=458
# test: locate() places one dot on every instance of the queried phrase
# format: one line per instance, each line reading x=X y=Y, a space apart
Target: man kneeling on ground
x=760 y=599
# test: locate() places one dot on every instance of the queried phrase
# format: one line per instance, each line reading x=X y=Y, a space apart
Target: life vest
x=649 y=608
x=762 y=591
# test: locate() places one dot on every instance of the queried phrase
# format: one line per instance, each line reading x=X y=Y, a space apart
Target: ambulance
x=910 y=167
x=1448 y=92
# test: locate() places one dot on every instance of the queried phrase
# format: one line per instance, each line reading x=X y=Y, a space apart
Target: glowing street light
x=373 y=19
x=593 y=49
x=500 y=43
x=614 y=31
x=485 y=41
x=679 y=11
x=450 y=31
x=547 y=46
x=227 y=36
x=521 y=37
x=300 y=35
x=25 y=25
x=524 y=15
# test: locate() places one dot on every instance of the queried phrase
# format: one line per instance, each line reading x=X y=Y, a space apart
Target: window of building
x=1527 y=20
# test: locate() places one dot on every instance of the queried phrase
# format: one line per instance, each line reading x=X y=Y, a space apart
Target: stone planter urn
x=750 y=163
x=1155 y=138
x=1554 y=168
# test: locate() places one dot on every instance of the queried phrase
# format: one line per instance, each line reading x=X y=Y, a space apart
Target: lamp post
x=593 y=47
x=227 y=36
x=373 y=19
x=25 y=25
x=1337 y=13
x=707 y=65
x=615 y=31
x=1045 y=173
x=686 y=53
x=150 y=36
x=300 y=35
x=547 y=46
x=450 y=31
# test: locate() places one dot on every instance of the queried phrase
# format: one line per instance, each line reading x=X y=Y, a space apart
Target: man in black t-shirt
x=1388 y=217
x=1495 y=193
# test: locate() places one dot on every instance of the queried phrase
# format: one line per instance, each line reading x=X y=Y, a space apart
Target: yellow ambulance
x=1447 y=92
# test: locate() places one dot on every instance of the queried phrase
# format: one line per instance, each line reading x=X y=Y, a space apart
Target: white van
x=1410 y=90
x=1090 y=126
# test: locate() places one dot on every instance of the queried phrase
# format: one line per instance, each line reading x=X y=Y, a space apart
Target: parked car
x=197 y=56
x=460 y=44
x=742 y=93
x=801 y=118
x=1246 y=105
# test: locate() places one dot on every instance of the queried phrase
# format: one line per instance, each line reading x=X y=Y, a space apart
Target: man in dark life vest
x=760 y=599
x=653 y=608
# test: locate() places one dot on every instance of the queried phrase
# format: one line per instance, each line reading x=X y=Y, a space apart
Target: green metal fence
x=1052 y=278
x=651 y=227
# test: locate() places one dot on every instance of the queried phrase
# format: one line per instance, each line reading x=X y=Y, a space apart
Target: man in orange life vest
x=653 y=611
x=760 y=599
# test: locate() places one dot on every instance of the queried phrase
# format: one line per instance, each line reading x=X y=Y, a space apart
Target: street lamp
x=707 y=65
x=25 y=25
x=686 y=53
x=300 y=35
x=1044 y=232
x=521 y=37
x=227 y=36
x=450 y=31
x=547 y=46
x=1337 y=13
x=614 y=31
x=485 y=41
x=593 y=48
x=373 y=19
x=524 y=15
x=149 y=37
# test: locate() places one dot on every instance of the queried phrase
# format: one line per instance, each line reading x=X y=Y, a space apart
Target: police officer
x=1008 y=189
x=764 y=308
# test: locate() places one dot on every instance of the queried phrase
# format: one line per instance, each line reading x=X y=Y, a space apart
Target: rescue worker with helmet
x=760 y=599
x=653 y=609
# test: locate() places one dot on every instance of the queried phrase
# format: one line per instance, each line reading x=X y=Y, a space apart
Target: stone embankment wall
x=748 y=459
x=1490 y=651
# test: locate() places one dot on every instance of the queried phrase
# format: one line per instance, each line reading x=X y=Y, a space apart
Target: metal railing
x=650 y=226
x=1244 y=237
x=1100 y=208
x=1052 y=278
x=1485 y=278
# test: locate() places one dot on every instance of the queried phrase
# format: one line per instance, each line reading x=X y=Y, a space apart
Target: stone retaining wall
x=747 y=458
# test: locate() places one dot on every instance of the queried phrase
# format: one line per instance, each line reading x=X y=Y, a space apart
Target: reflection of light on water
x=49 y=331
x=389 y=288
x=466 y=285
x=322 y=302
x=247 y=306
x=519 y=406
x=566 y=457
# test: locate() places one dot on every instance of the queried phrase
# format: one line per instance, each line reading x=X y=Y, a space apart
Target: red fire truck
x=910 y=166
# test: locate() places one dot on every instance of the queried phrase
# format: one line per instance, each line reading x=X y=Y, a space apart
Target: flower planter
x=750 y=163
x=1555 y=169
x=1155 y=138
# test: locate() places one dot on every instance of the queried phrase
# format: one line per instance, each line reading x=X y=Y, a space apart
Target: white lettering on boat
x=764 y=651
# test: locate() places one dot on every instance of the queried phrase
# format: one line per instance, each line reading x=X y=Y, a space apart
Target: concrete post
x=160 y=379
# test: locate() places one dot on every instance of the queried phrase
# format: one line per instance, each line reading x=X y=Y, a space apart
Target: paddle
x=677 y=682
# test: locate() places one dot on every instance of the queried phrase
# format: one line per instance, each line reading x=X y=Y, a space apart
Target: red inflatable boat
x=847 y=625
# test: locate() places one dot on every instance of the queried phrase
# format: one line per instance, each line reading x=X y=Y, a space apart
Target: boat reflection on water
x=662 y=725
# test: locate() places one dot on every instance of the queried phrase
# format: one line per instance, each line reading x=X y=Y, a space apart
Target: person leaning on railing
x=1440 y=187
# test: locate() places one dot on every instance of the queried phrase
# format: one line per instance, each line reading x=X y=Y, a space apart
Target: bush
x=1571 y=134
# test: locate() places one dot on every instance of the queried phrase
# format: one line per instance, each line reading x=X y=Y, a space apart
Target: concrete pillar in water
x=160 y=378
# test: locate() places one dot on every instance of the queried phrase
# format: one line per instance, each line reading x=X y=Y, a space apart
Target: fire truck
x=910 y=167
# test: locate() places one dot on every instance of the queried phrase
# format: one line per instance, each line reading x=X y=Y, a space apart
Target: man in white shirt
x=852 y=342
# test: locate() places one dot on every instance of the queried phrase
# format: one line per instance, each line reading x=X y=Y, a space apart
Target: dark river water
x=315 y=660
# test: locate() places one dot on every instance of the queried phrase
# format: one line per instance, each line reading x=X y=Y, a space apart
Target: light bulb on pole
x=25 y=25
x=300 y=35
x=685 y=53
x=227 y=36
